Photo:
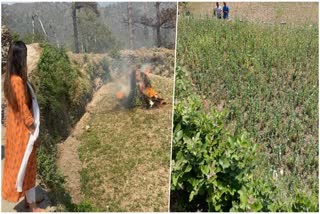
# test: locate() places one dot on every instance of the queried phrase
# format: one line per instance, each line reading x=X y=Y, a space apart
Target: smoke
x=126 y=82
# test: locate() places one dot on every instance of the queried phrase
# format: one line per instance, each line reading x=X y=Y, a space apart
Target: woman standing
x=19 y=127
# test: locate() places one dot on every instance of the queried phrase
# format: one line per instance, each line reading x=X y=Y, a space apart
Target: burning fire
x=139 y=79
x=150 y=92
x=120 y=95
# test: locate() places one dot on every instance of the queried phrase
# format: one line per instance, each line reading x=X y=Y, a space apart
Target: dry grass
x=267 y=12
x=126 y=154
x=161 y=60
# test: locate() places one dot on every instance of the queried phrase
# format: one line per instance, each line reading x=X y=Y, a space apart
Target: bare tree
x=165 y=18
x=77 y=6
x=130 y=25
x=32 y=28
x=35 y=15
x=145 y=28
x=158 y=26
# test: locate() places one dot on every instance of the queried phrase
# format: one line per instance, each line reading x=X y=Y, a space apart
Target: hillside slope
x=124 y=154
x=91 y=83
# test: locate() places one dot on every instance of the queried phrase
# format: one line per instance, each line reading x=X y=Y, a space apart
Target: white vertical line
x=1 y=116
x=172 y=114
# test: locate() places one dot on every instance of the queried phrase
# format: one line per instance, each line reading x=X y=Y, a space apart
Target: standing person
x=217 y=11
x=22 y=129
x=225 y=11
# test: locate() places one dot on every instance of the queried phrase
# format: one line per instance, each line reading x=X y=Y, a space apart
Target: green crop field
x=264 y=79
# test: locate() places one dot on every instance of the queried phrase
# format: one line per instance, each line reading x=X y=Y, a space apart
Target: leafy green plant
x=15 y=37
x=115 y=51
x=84 y=206
x=55 y=83
x=30 y=38
x=57 y=86
x=96 y=36
x=266 y=77
x=210 y=164
x=208 y=161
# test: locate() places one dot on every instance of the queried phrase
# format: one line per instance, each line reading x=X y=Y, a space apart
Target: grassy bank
x=125 y=154
x=265 y=78
x=62 y=92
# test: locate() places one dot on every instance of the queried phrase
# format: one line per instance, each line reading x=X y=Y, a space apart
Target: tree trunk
x=131 y=37
x=32 y=28
x=75 y=28
x=158 y=24
x=44 y=31
x=145 y=28
x=82 y=46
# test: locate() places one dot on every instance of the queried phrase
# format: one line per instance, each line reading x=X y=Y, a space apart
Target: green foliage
x=55 y=83
x=99 y=69
x=184 y=9
x=84 y=206
x=57 y=86
x=15 y=37
x=115 y=52
x=209 y=162
x=214 y=166
x=47 y=169
x=29 y=38
x=105 y=63
x=266 y=76
x=85 y=58
x=95 y=36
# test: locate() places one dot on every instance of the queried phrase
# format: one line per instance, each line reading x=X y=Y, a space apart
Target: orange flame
x=150 y=92
x=120 y=95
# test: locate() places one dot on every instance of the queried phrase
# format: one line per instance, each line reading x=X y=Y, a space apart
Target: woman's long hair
x=16 y=65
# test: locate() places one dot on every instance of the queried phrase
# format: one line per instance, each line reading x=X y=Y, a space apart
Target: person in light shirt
x=217 y=11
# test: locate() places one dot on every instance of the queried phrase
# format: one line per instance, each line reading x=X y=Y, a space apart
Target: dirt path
x=34 y=53
x=68 y=160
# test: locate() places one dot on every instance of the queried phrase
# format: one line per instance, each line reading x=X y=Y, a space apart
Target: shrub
x=57 y=86
x=209 y=162
x=213 y=166
x=266 y=76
